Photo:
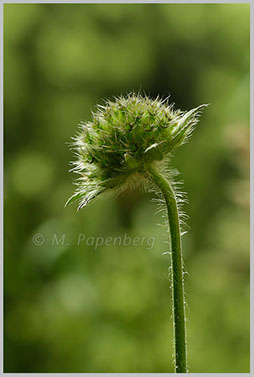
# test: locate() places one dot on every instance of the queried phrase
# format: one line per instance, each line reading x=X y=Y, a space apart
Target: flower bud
x=123 y=139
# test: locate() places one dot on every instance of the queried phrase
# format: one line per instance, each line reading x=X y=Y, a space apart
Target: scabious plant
x=128 y=141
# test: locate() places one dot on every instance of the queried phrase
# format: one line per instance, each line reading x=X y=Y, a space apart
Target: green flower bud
x=123 y=139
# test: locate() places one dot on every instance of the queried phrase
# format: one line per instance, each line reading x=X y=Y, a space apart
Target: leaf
x=153 y=152
x=187 y=119
x=130 y=161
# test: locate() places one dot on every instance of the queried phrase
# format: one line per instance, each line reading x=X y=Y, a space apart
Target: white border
x=251 y=2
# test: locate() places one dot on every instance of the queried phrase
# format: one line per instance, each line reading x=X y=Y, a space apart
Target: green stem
x=177 y=270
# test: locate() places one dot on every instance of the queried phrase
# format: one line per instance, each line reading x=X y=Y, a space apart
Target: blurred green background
x=71 y=308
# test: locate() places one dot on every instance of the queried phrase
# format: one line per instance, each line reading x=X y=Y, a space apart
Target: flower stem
x=177 y=269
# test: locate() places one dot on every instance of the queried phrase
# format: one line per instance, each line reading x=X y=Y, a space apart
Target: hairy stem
x=177 y=269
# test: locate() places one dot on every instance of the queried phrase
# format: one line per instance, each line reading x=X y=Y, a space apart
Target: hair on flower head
x=123 y=139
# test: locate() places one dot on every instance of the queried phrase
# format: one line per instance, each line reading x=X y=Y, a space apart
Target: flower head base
x=123 y=139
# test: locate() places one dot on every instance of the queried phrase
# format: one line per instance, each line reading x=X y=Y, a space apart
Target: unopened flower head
x=123 y=139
